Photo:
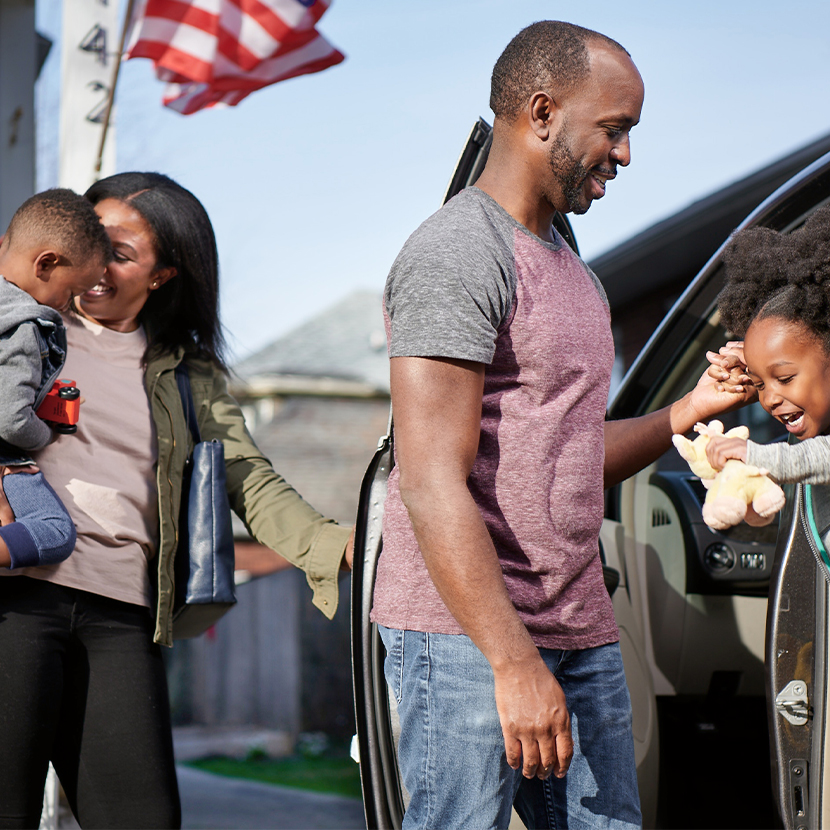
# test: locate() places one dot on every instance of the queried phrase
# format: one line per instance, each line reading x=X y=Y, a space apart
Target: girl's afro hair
x=773 y=274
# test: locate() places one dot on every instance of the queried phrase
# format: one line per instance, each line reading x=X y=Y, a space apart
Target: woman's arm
x=272 y=511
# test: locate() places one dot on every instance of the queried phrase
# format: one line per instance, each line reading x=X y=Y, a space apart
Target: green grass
x=335 y=773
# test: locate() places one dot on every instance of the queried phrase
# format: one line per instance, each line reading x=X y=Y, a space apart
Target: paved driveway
x=214 y=802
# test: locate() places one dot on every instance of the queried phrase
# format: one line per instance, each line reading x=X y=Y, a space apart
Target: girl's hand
x=720 y=450
x=728 y=368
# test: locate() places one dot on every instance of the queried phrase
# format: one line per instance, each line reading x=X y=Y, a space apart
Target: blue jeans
x=42 y=532
x=451 y=750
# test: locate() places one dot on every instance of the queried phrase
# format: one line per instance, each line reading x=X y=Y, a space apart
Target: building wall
x=323 y=445
x=274 y=660
x=636 y=321
x=18 y=64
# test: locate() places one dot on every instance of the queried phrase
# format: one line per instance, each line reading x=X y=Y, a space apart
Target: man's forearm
x=634 y=443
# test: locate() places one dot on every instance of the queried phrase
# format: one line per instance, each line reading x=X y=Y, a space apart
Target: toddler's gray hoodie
x=32 y=353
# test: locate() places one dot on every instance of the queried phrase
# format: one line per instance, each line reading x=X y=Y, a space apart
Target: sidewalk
x=213 y=802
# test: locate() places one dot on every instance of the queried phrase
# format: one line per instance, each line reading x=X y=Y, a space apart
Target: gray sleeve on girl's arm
x=807 y=462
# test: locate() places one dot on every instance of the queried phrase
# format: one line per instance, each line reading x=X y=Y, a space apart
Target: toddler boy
x=54 y=249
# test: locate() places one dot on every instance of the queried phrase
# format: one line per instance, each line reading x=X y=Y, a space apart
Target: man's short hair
x=62 y=219
x=549 y=55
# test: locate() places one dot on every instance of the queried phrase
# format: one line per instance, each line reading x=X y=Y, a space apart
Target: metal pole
x=111 y=96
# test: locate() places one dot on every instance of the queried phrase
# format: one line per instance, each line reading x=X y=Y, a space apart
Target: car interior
x=698 y=597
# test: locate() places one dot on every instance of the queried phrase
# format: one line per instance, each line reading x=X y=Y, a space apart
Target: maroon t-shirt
x=472 y=283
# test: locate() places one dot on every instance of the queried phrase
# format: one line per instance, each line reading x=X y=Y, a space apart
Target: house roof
x=341 y=351
x=676 y=248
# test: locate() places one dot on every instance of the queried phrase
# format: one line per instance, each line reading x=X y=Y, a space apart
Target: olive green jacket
x=273 y=512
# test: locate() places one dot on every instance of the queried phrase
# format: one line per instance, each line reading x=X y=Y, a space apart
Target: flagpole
x=111 y=96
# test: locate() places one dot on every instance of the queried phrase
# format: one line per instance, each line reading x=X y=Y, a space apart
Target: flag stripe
x=216 y=52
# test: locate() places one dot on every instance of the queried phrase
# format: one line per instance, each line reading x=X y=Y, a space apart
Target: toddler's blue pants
x=42 y=533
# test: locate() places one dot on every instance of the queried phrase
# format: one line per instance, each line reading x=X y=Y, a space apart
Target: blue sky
x=314 y=184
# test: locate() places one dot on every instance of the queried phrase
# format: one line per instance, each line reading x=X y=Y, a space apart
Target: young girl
x=777 y=297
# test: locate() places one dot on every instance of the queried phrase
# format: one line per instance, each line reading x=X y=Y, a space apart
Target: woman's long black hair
x=184 y=311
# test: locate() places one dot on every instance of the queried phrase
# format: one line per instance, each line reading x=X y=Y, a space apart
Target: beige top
x=105 y=472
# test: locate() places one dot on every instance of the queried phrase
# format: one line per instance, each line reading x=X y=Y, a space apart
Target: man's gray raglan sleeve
x=448 y=292
x=807 y=462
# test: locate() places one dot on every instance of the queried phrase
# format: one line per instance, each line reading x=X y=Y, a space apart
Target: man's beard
x=569 y=172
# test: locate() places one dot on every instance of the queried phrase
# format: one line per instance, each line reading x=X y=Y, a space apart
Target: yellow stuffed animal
x=739 y=492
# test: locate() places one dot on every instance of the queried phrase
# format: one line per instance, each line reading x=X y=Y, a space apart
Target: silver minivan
x=723 y=634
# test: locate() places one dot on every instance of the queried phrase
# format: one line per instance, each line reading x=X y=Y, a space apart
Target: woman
x=82 y=679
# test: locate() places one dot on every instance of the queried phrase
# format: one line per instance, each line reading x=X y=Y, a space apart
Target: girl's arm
x=807 y=462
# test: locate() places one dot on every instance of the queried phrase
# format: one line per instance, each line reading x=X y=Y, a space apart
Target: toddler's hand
x=720 y=450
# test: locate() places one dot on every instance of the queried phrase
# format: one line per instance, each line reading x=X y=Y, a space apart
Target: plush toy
x=739 y=492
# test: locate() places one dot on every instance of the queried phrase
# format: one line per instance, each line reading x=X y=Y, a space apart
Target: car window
x=763 y=428
x=701 y=593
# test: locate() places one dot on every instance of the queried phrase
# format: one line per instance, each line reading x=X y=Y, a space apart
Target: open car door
x=797 y=659
x=740 y=682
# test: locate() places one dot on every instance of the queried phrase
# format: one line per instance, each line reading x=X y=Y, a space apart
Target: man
x=502 y=648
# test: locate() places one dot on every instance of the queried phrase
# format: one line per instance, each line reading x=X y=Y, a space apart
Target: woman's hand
x=720 y=450
x=348 y=555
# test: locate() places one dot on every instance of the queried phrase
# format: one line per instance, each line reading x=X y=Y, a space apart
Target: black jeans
x=82 y=684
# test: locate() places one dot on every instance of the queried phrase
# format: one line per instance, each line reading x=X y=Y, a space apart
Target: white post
x=17 y=106
x=89 y=49
x=51 y=802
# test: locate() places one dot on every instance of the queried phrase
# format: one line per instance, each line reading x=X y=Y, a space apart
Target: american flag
x=217 y=52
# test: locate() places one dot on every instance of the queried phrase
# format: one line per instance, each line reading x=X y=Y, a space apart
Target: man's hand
x=720 y=450
x=534 y=720
x=633 y=443
x=715 y=394
x=728 y=368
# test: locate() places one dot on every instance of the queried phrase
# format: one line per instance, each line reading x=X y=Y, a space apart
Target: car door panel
x=382 y=795
x=637 y=673
x=797 y=659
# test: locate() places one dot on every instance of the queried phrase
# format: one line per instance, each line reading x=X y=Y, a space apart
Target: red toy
x=61 y=406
